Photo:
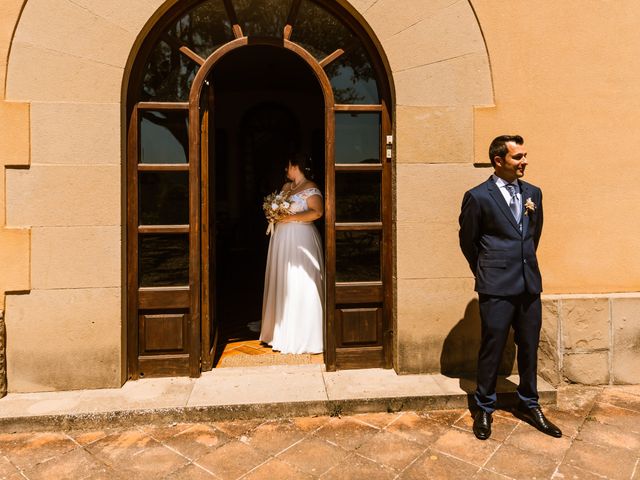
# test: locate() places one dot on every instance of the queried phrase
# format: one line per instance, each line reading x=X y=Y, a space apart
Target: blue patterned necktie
x=514 y=203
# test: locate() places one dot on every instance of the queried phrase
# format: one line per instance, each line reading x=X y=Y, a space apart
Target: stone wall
x=591 y=339
x=3 y=359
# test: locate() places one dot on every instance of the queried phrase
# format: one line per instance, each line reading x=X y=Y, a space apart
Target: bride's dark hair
x=303 y=162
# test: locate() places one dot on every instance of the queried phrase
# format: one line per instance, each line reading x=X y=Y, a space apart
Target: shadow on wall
x=459 y=356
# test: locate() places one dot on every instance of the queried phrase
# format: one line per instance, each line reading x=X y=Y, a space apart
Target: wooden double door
x=195 y=169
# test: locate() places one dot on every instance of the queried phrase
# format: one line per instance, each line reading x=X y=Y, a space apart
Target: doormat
x=244 y=360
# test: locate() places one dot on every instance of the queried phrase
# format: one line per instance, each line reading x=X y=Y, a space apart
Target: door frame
x=351 y=298
x=198 y=180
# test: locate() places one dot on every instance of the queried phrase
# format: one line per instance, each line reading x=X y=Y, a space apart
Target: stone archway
x=68 y=65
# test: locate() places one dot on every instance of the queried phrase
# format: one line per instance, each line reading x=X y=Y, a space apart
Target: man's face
x=513 y=164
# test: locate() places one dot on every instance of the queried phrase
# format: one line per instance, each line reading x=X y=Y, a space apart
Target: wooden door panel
x=359 y=326
x=165 y=332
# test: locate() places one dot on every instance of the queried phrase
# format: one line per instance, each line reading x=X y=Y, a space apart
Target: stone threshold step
x=245 y=393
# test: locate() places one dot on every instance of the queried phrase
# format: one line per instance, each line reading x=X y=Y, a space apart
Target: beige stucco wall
x=542 y=73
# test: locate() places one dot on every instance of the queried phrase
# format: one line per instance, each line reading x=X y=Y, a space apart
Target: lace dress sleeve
x=310 y=192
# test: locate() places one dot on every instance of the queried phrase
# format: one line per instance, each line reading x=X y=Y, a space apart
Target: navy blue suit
x=502 y=257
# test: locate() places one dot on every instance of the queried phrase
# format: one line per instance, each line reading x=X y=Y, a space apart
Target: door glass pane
x=319 y=32
x=262 y=18
x=358 y=196
x=164 y=136
x=168 y=73
x=164 y=198
x=353 y=77
x=357 y=138
x=358 y=256
x=164 y=260
x=204 y=28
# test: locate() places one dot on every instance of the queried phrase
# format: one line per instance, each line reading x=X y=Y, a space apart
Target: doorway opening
x=267 y=104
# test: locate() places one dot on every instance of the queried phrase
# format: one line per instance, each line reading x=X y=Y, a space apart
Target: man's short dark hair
x=498 y=147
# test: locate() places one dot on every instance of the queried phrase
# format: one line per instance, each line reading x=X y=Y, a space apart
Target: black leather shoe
x=482 y=424
x=536 y=418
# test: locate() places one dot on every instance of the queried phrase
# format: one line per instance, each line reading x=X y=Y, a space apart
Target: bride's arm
x=316 y=210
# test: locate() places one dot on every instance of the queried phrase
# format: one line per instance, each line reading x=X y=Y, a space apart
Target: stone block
x=433 y=193
x=626 y=340
x=586 y=368
x=434 y=134
x=429 y=250
x=15 y=261
x=92 y=125
x=132 y=16
x=14 y=134
x=438 y=328
x=451 y=32
x=38 y=74
x=465 y=80
x=76 y=257
x=52 y=195
x=585 y=323
x=64 y=340
x=548 y=353
x=65 y=27
x=392 y=17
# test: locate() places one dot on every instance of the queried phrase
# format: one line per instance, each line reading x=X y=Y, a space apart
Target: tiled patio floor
x=601 y=440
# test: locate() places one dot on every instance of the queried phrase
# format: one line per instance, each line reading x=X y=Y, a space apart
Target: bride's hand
x=286 y=219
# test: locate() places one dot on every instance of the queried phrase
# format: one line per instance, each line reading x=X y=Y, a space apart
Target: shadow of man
x=459 y=356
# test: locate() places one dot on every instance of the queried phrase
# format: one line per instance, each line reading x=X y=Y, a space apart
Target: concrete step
x=243 y=393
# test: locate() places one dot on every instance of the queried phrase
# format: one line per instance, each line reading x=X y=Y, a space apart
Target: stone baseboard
x=590 y=339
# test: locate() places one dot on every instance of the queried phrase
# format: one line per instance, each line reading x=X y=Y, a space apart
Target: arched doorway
x=176 y=160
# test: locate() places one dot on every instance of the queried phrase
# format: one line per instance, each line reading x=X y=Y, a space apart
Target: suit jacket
x=502 y=258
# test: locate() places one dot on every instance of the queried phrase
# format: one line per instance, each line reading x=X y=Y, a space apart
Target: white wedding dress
x=292 y=303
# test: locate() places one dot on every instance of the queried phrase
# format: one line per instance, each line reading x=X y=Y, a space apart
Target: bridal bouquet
x=276 y=206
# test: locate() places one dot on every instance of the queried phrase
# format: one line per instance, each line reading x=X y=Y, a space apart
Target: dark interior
x=267 y=103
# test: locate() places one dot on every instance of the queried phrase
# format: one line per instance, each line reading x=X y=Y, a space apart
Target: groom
x=500 y=227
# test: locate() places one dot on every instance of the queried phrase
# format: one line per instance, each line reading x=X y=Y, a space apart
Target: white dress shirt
x=502 y=185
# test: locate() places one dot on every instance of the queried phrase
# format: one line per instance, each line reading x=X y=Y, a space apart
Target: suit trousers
x=523 y=313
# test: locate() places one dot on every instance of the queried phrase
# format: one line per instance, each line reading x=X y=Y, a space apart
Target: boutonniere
x=529 y=206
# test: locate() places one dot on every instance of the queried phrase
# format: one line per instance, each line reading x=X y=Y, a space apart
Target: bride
x=293 y=288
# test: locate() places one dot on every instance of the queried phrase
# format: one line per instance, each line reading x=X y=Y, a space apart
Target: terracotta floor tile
x=74 y=464
x=88 y=437
x=448 y=417
x=619 y=398
x=435 y=465
x=568 y=422
x=612 y=415
x=310 y=424
x=521 y=464
x=391 y=450
x=276 y=469
x=196 y=440
x=162 y=432
x=528 y=438
x=612 y=462
x=136 y=454
x=26 y=449
x=7 y=468
x=346 y=432
x=569 y=472
x=465 y=446
x=313 y=456
x=237 y=428
x=501 y=427
x=275 y=436
x=603 y=434
x=484 y=474
x=577 y=399
x=356 y=467
x=232 y=460
x=379 y=420
x=418 y=429
x=190 y=472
